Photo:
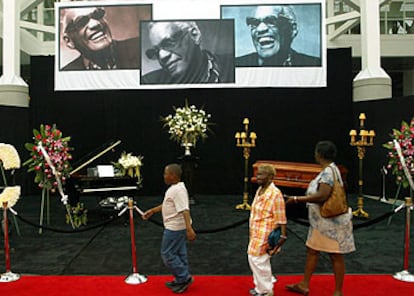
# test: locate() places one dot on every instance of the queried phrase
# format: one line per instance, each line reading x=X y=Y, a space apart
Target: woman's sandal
x=296 y=289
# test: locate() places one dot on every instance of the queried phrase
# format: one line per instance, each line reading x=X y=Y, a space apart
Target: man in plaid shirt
x=267 y=213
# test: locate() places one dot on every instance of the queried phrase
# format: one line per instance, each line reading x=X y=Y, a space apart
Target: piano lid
x=102 y=150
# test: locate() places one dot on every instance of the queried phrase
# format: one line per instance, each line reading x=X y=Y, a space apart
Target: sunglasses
x=169 y=44
x=270 y=21
x=80 y=22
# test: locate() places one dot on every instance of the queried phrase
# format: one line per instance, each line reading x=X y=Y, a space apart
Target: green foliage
x=78 y=214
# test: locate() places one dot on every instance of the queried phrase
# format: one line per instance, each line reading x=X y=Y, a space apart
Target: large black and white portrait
x=187 y=52
x=100 y=37
x=276 y=35
x=164 y=44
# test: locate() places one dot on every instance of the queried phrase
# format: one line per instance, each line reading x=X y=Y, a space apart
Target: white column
x=13 y=89
x=330 y=13
x=372 y=82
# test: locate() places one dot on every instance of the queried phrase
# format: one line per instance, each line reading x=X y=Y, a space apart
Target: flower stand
x=45 y=198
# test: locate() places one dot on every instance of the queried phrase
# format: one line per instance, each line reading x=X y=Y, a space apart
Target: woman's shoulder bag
x=336 y=204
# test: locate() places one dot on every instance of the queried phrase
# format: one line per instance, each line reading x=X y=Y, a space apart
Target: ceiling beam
x=382 y=2
x=28 y=5
x=33 y=46
x=342 y=29
x=354 y=4
x=37 y=27
x=343 y=17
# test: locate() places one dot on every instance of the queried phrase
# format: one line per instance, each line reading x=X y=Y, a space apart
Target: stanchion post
x=132 y=231
x=405 y=275
x=135 y=278
x=8 y=276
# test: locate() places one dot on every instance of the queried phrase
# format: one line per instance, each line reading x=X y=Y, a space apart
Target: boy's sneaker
x=180 y=288
x=255 y=293
x=172 y=284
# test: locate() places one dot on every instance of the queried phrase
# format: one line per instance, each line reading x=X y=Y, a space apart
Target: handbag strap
x=335 y=175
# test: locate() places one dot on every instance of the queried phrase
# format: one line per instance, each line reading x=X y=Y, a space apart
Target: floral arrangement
x=405 y=137
x=10 y=195
x=129 y=165
x=57 y=148
x=9 y=159
x=187 y=125
x=78 y=215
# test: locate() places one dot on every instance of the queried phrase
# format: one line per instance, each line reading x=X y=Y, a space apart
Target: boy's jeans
x=174 y=254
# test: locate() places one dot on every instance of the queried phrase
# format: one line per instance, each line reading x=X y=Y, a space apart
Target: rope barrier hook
x=8 y=276
x=135 y=278
x=405 y=275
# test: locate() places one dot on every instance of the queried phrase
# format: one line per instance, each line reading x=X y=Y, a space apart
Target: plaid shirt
x=267 y=211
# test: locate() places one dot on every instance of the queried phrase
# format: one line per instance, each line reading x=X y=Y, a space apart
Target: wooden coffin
x=294 y=174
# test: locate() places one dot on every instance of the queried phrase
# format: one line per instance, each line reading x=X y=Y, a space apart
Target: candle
x=362 y=117
x=353 y=133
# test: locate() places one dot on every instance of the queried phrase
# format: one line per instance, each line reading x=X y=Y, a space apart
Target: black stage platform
x=106 y=250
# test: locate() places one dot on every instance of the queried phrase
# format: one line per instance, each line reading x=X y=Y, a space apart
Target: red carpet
x=321 y=285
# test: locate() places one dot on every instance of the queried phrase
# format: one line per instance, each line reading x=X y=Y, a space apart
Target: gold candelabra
x=366 y=139
x=246 y=140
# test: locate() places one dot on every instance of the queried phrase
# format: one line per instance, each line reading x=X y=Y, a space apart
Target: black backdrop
x=382 y=116
x=288 y=122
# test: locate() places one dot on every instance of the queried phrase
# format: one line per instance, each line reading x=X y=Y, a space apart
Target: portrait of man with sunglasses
x=177 y=48
x=273 y=29
x=86 y=31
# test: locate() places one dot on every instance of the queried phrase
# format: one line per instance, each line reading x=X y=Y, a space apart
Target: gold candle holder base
x=360 y=211
x=245 y=205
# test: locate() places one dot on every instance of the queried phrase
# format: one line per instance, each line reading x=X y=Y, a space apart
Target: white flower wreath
x=10 y=195
x=9 y=159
